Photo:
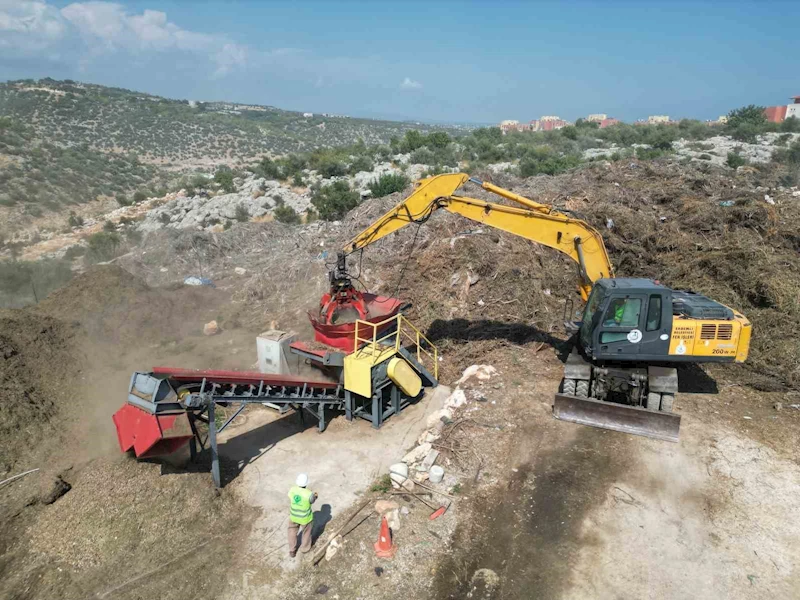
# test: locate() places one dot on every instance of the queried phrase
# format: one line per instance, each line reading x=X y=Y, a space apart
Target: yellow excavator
x=622 y=373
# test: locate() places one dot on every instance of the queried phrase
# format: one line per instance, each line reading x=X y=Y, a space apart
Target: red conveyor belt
x=246 y=377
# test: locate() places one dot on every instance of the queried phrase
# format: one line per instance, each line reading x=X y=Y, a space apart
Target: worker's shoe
x=292 y=554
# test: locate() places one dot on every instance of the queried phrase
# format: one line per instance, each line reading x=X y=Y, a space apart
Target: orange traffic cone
x=384 y=547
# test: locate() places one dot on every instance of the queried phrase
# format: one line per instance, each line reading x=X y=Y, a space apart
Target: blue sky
x=443 y=61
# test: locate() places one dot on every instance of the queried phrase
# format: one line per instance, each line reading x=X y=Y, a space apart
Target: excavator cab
x=627 y=320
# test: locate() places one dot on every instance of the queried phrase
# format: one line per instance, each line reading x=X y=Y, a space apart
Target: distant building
x=551 y=122
x=598 y=118
x=608 y=122
x=654 y=119
x=308 y=115
x=778 y=114
x=793 y=110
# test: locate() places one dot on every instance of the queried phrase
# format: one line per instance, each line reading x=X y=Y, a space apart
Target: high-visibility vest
x=300 y=508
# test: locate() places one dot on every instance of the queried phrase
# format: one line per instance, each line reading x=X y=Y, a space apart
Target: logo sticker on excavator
x=634 y=336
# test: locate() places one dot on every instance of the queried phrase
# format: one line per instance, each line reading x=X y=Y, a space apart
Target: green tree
x=335 y=200
x=745 y=123
x=224 y=177
x=751 y=114
x=412 y=140
x=438 y=139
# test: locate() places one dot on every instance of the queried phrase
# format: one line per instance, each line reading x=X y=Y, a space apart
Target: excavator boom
x=537 y=222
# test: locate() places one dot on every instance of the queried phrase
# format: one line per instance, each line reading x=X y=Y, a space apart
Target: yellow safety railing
x=404 y=333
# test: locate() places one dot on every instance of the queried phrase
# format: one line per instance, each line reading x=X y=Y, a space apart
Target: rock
x=398 y=473
x=417 y=454
x=332 y=549
x=211 y=328
x=768 y=199
x=393 y=519
x=426 y=464
x=440 y=416
x=480 y=372
x=404 y=510
x=240 y=271
x=384 y=506
x=455 y=400
x=777 y=406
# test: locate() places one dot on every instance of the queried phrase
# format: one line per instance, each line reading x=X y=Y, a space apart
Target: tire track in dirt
x=528 y=529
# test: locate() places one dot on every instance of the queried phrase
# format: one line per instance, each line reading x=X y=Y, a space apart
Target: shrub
x=74 y=252
x=412 y=140
x=734 y=160
x=548 y=165
x=334 y=200
x=224 y=177
x=123 y=200
x=792 y=124
x=165 y=217
x=139 y=196
x=438 y=139
x=268 y=168
x=103 y=246
x=242 y=214
x=388 y=184
x=109 y=226
x=422 y=156
x=361 y=163
x=788 y=156
x=330 y=167
x=286 y=214
x=311 y=215
x=75 y=220
x=297 y=180
x=704 y=157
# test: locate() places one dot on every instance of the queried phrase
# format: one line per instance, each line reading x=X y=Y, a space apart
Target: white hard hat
x=302 y=480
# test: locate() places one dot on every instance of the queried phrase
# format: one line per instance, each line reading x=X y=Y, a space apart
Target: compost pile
x=39 y=364
x=691 y=227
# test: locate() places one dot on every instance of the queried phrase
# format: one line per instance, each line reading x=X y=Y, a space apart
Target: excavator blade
x=618 y=417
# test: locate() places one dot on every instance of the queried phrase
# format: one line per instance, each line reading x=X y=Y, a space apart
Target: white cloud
x=410 y=84
x=89 y=30
x=29 y=26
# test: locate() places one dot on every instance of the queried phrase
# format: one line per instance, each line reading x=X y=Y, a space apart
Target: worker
x=618 y=309
x=300 y=514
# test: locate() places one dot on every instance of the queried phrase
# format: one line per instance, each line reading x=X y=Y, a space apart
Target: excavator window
x=653 y=313
x=623 y=312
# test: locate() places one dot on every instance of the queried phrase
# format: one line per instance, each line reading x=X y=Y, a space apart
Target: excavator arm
x=537 y=222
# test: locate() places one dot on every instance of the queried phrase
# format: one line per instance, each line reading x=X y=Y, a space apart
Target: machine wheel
x=582 y=388
x=667 y=400
x=653 y=401
x=569 y=387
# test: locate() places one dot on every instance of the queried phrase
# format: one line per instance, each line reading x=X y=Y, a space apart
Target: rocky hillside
x=164 y=131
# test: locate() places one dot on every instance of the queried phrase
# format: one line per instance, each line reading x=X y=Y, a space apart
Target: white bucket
x=436 y=474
